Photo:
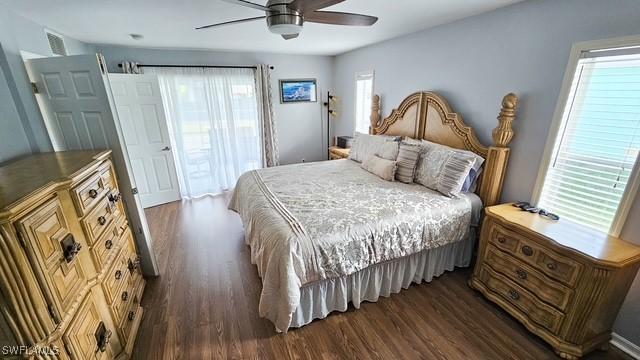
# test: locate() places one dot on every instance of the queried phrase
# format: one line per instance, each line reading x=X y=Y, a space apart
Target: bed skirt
x=319 y=299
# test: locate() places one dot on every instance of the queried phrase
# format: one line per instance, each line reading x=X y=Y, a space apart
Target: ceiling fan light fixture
x=285 y=29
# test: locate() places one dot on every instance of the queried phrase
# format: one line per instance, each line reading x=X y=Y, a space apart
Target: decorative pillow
x=389 y=150
x=365 y=145
x=407 y=160
x=442 y=168
x=469 y=184
x=453 y=174
x=386 y=169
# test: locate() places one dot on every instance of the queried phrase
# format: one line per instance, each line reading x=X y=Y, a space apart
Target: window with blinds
x=364 y=93
x=596 y=149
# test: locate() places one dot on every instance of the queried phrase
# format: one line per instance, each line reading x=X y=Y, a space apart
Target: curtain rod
x=200 y=66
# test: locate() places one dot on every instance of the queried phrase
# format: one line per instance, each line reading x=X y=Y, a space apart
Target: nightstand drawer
x=520 y=302
x=544 y=288
x=547 y=261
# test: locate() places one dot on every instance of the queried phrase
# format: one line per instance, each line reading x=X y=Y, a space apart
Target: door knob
x=166 y=148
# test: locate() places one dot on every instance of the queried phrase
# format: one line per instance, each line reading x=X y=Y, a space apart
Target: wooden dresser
x=338 y=153
x=70 y=278
x=563 y=282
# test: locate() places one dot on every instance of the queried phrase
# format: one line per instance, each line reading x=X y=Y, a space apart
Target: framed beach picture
x=298 y=90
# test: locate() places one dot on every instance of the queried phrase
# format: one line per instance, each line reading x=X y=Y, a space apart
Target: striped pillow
x=453 y=173
x=406 y=161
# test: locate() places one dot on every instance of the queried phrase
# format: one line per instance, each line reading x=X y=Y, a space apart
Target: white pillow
x=365 y=145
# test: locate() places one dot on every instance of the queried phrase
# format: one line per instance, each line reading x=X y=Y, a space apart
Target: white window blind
x=364 y=92
x=597 y=145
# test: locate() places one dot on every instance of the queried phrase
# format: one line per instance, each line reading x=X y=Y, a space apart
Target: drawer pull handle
x=103 y=337
x=125 y=296
x=514 y=295
x=118 y=275
x=114 y=198
x=501 y=240
x=102 y=220
x=521 y=274
x=551 y=266
x=93 y=193
x=133 y=265
x=131 y=316
x=527 y=250
x=70 y=248
x=108 y=244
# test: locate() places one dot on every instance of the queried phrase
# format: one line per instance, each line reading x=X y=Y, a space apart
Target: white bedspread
x=314 y=221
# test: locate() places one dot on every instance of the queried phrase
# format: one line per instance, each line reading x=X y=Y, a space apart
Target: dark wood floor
x=205 y=306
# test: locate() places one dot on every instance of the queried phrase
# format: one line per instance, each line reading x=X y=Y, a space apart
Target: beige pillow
x=365 y=145
x=388 y=150
x=386 y=169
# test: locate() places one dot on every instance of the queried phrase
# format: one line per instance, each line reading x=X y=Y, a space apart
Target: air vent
x=56 y=43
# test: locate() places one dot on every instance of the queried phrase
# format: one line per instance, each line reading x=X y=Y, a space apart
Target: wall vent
x=56 y=44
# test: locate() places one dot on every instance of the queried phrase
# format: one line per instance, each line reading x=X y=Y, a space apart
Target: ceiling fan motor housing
x=282 y=20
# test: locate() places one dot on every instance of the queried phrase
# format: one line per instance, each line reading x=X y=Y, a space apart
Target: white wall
x=473 y=62
x=301 y=126
x=23 y=130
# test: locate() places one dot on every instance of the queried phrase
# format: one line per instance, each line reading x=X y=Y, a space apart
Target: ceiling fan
x=286 y=17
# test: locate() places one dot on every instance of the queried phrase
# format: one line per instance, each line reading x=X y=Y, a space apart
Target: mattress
x=311 y=222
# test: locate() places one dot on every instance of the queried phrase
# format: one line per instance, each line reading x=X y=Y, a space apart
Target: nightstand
x=338 y=153
x=563 y=282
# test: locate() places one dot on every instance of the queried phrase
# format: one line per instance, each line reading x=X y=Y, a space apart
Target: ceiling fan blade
x=340 y=18
x=231 y=22
x=289 y=37
x=248 y=4
x=311 y=5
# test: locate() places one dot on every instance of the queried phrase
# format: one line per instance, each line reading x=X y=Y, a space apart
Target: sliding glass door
x=214 y=123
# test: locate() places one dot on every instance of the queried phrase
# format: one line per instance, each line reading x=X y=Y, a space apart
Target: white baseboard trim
x=625 y=345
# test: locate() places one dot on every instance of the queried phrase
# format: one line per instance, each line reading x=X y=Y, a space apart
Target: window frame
x=359 y=74
x=631 y=189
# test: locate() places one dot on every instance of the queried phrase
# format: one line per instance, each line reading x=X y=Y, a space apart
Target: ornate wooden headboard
x=426 y=115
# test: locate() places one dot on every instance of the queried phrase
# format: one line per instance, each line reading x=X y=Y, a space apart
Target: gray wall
x=473 y=62
x=301 y=126
x=23 y=130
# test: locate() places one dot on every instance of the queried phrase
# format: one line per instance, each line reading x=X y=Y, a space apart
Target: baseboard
x=625 y=345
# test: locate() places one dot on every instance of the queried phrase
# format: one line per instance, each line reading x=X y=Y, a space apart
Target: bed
x=327 y=234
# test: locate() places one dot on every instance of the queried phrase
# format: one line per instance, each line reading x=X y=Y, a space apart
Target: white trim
x=576 y=51
x=358 y=74
x=625 y=345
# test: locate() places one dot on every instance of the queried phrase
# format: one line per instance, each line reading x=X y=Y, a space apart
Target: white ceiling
x=170 y=23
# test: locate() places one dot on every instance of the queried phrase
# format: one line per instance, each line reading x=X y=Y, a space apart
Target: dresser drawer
x=100 y=219
x=88 y=336
x=88 y=193
x=118 y=276
x=526 y=276
x=521 y=302
x=53 y=252
x=543 y=259
x=134 y=311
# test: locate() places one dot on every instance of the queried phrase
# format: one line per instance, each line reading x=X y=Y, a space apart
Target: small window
x=364 y=92
x=592 y=167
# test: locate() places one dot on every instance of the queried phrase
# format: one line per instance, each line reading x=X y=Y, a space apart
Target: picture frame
x=298 y=90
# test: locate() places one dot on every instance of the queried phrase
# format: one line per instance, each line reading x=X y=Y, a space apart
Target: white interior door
x=146 y=134
x=75 y=100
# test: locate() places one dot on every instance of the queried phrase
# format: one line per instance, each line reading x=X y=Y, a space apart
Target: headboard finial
x=375 y=114
x=503 y=133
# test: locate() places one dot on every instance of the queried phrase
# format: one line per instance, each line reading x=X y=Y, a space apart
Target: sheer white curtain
x=214 y=123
